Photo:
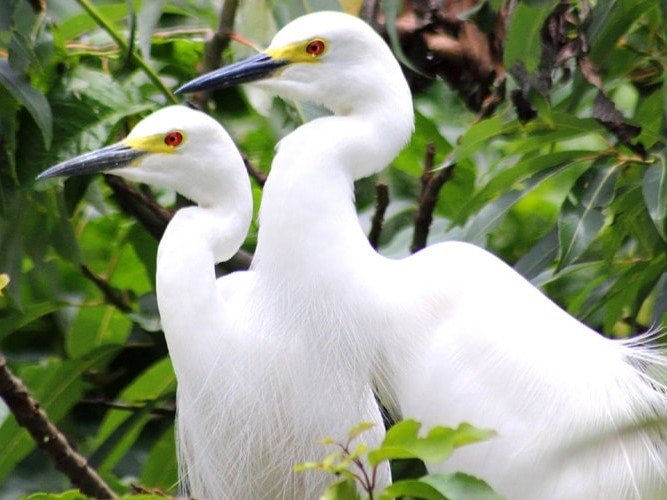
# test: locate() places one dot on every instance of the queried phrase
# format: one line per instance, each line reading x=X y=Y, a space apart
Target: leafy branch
x=48 y=437
x=359 y=466
x=432 y=182
x=125 y=47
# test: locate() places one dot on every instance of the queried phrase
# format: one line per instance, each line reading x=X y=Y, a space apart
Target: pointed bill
x=111 y=157
x=254 y=68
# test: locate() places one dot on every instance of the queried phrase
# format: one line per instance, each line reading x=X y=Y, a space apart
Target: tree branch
x=168 y=411
x=254 y=172
x=381 y=203
x=112 y=295
x=48 y=437
x=124 y=46
x=214 y=47
x=428 y=198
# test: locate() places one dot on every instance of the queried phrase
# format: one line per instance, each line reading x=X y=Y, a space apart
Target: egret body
x=255 y=392
x=452 y=333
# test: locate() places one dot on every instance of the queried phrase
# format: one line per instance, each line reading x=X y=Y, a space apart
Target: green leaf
x=626 y=295
x=149 y=15
x=481 y=225
x=65 y=495
x=444 y=486
x=75 y=26
x=539 y=257
x=411 y=488
x=391 y=8
x=97 y=326
x=161 y=467
x=20 y=318
x=581 y=220
x=460 y=486
x=341 y=490
x=507 y=178
x=597 y=186
x=478 y=136
x=577 y=228
x=359 y=429
x=32 y=99
x=524 y=40
x=654 y=189
x=156 y=382
x=402 y=441
x=610 y=20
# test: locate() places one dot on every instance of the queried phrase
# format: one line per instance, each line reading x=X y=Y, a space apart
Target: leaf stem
x=123 y=45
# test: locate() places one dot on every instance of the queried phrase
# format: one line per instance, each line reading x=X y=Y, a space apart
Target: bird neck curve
x=308 y=213
x=195 y=240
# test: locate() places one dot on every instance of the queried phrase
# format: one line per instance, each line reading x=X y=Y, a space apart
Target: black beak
x=112 y=157
x=254 y=68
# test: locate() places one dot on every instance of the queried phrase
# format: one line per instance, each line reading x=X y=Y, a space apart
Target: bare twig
x=38 y=6
x=103 y=23
x=216 y=45
x=369 y=12
x=48 y=437
x=112 y=295
x=155 y=217
x=160 y=411
x=142 y=207
x=254 y=172
x=431 y=185
x=381 y=203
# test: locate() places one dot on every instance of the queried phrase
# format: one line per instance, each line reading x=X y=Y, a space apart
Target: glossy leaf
x=29 y=97
x=654 y=188
x=524 y=35
x=577 y=227
x=610 y=20
x=444 y=486
x=95 y=327
x=154 y=383
x=161 y=467
x=147 y=19
x=402 y=441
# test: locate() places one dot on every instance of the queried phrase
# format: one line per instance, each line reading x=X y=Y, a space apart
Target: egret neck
x=196 y=239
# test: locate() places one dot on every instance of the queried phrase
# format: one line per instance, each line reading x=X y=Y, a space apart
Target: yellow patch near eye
x=297 y=52
x=154 y=143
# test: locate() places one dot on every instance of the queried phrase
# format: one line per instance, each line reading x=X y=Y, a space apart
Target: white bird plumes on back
x=453 y=333
x=256 y=389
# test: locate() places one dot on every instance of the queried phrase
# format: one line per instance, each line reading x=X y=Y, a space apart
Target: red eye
x=315 y=47
x=173 y=139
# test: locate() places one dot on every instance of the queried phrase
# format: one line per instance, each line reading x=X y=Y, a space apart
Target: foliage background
x=578 y=207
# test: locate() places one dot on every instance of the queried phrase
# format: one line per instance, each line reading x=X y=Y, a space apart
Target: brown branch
x=381 y=203
x=112 y=295
x=431 y=184
x=38 y=6
x=254 y=172
x=160 y=411
x=214 y=47
x=139 y=205
x=48 y=437
x=369 y=12
x=155 y=217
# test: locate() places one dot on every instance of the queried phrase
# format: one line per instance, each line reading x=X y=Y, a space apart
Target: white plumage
x=452 y=333
x=258 y=382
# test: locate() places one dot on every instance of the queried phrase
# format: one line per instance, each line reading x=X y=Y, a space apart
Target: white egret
x=255 y=392
x=453 y=333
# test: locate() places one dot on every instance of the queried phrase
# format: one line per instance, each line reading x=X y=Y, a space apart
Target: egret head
x=175 y=148
x=328 y=58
